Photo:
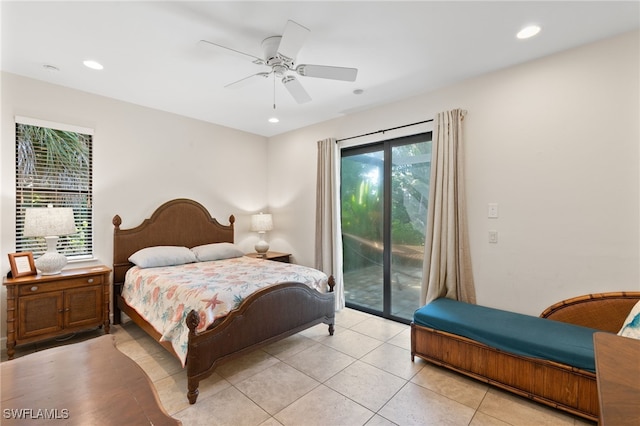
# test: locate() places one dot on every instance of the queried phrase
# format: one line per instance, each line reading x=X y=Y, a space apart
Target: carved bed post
x=117 y=286
x=332 y=283
x=193 y=319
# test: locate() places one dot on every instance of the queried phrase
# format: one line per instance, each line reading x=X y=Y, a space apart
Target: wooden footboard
x=266 y=316
x=554 y=384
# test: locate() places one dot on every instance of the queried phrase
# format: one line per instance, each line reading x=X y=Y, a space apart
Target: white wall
x=555 y=142
x=142 y=158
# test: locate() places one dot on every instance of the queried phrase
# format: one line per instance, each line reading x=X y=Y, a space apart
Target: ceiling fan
x=279 y=53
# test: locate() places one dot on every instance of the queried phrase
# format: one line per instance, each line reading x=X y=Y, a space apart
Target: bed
x=263 y=317
x=556 y=383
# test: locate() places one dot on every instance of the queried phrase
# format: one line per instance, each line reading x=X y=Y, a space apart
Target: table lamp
x=261 y=223
x=49 y=222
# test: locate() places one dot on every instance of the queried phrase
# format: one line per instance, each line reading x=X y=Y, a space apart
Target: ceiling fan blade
x=324 y=71
x=210 y=43
x=296 y=90
x=292 y=40
x=244 y=81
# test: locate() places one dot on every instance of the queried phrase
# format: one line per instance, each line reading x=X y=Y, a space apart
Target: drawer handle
x=34 y=288
x=90 y=280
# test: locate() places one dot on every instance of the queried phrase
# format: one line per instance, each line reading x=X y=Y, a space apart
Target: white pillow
x=216 y=251
x=152 y=257
x=631 y=326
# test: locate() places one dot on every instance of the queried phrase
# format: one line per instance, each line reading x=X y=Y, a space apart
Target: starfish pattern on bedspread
x=213 y=302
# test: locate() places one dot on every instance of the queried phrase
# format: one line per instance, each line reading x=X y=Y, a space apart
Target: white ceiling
x=152 y=57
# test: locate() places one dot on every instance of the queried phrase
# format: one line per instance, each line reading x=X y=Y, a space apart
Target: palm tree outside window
x=54 y=166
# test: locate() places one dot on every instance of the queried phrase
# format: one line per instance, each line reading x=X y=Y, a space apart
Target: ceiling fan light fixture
x=528 y=32
x=280 y=70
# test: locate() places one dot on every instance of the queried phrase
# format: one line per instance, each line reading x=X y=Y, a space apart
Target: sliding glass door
x=362 y=201
x=384 y=196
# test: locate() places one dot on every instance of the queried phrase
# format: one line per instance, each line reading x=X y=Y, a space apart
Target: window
x=54 y=166
x=384 y=198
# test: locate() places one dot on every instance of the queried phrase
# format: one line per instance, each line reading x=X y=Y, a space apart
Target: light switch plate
x=493 y=210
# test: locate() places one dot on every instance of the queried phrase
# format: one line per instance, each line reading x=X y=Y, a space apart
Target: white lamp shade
x=48 y=221
x=261 y=222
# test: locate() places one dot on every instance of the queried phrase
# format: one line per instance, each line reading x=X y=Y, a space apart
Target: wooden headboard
x=179 y=222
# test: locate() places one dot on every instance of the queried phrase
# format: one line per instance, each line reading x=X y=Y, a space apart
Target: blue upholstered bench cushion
x=511 y=332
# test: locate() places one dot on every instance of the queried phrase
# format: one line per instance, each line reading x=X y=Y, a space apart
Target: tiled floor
x=363 y=375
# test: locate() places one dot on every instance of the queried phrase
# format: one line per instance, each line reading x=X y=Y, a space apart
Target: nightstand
x=272 y=255
x=41 y=307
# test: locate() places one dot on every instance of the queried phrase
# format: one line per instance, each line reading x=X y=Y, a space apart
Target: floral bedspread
x=164 y=296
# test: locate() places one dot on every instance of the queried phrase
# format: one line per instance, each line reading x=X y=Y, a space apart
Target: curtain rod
x=385 y=130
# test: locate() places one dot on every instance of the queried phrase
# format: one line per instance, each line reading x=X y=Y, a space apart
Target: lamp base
x=51 y=262
x=262 y=247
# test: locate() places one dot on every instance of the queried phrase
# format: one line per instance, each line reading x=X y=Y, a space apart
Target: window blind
x=54 y=165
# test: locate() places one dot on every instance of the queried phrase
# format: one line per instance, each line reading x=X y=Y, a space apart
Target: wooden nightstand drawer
x=43 y=287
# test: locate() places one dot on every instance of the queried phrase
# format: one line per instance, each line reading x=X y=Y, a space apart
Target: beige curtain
x=328 y=256
x=447 y=262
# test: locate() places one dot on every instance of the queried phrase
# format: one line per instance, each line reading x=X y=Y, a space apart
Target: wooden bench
x=80 y=384
x=552 y=383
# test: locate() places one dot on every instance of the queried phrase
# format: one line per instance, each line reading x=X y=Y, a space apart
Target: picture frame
x=22 y=264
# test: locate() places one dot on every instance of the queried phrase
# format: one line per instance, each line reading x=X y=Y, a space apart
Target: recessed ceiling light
x=274 y=120
x=93 y=65
x=51 y=68
x=529 y=31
